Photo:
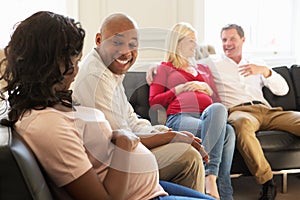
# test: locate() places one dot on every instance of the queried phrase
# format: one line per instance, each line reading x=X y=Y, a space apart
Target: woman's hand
x=194 y=86
x=199 y=87
x=125 y=140
x=180 y=88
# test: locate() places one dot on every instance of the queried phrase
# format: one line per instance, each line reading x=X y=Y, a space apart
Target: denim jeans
x=178 y=192
x=218 y=138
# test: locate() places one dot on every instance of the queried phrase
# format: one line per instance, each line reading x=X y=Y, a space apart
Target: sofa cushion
x=276 y=145
x=288 y=101
x=281 y=149
x=278 y=141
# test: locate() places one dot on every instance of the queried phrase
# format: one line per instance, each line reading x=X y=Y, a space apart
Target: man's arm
x=271 y=79
x=163 y=138
x=251 y=69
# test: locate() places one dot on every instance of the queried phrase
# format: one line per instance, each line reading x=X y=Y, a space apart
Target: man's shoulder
x=91 y=66
x=91 y=63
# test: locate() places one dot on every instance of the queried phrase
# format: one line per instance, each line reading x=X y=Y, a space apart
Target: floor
x=245 y=187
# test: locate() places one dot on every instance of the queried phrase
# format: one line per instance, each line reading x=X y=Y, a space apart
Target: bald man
x=99 y=85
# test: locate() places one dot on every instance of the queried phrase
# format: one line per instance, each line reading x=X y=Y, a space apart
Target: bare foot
x=211 y=187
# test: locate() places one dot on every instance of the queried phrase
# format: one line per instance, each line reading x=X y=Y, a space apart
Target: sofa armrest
x=157 y=115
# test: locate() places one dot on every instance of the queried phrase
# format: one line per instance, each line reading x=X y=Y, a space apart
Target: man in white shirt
x=239 y=82
x=99 y=85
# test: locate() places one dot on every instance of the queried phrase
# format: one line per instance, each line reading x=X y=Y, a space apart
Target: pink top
x=68 y=144
x=162 y=90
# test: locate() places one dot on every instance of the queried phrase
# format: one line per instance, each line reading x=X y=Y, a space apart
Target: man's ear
x=98 y=39
x=243 y=38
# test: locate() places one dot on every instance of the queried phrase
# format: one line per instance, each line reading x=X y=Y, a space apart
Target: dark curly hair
x=37 y=46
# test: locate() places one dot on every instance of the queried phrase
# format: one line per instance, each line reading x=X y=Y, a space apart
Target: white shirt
x=235 y=89
x=96 y=86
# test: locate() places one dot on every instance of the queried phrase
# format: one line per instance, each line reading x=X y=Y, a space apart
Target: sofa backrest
x=287 y=102
x=137 y=92
x=20 y=175
x=295 y=75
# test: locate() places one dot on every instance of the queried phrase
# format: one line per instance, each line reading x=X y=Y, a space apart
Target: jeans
x=218 y=138
x=178 y=192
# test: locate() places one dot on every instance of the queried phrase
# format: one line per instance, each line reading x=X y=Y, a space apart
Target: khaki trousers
x=182 y=164
x=246 y=120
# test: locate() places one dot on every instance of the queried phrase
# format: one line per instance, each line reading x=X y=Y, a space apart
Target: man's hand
x=189 y=138
x=251 y=69
x=150 y=74
x=169 y=136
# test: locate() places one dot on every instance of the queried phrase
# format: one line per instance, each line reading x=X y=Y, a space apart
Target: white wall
x=297 y=32
x=153 y=17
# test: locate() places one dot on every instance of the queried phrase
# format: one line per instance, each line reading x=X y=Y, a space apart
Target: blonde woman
x=187 y=91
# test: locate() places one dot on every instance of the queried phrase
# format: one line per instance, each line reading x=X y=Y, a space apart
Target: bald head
x=116 y=23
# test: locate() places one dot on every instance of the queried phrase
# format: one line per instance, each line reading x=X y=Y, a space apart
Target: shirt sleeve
x=111 y=99
x=276 y=83
x=59 y=148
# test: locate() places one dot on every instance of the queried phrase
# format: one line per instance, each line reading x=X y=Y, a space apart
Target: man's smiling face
x=118 y=45
x=232 y=44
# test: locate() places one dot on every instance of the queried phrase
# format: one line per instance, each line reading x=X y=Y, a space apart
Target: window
x=17 y=10
x=269 y=25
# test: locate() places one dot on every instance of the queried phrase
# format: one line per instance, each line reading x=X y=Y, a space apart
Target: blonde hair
x=178 y=32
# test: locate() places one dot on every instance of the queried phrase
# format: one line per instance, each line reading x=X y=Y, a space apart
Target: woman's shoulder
x=166 y=66
x=42 y=121
x=48 y=115
x=58 y=117
x=203 y=68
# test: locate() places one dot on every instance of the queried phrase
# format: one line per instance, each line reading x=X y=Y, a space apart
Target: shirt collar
x=104 y=68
